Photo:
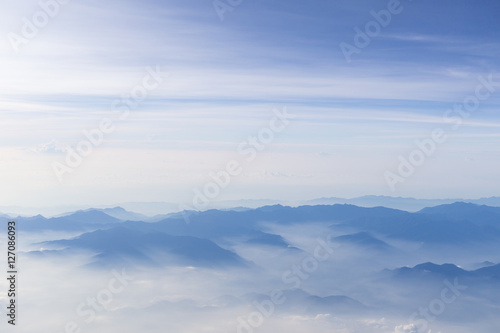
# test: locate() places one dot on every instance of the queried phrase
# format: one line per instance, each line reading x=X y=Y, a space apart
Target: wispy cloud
x=225 y=77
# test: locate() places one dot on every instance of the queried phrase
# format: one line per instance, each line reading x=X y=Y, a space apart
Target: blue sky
x=352 y=119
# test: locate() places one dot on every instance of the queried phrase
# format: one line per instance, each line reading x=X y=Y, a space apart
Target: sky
x=209 y=77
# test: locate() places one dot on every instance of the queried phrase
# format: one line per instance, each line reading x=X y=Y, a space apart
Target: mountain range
x=158 y=210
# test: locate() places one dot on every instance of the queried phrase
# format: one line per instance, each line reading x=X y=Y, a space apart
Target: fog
x=322 y=281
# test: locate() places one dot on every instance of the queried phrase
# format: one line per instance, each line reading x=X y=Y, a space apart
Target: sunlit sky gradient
x=224 y=79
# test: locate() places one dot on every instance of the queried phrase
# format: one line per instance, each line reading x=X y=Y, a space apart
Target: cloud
x=224 y=77
x=52 y=147
x=406 y=329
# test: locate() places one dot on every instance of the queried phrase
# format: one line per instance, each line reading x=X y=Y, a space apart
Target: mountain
x=460 y=211
x=425 y=228
x=124 y=215
x=120 y=244
x=164 y=208
x=365 y=240
x=482 y=264
x=454 y=224
x=220 y=225
x=407 y=204
x=300 y=301
x=161 y=209
x=90 y=216
x=79 y=221
x=449 y=271
x=264 y=238
x=490 y=272
x=431 y=269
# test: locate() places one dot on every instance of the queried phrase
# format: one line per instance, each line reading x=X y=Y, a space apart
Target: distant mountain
x=220 y=225
x=120 y=245
x=299 y=301
x=124 y=215
x=5 y=216
x=460 y=211
x=79 y=221
x=164 y=208
x=450 y=271
x=149 y=208
x=365 y=240
x=90 y=216
x=482 y=264
x=426 y=228
x=263 y=238
x=161 y=217
x=407 y=204
x=490 y=271
x=454 y=224
x=154 y=209
x=446 y=270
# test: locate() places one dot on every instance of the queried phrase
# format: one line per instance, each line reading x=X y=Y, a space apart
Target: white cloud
x=406 y=329
x=52 y=147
